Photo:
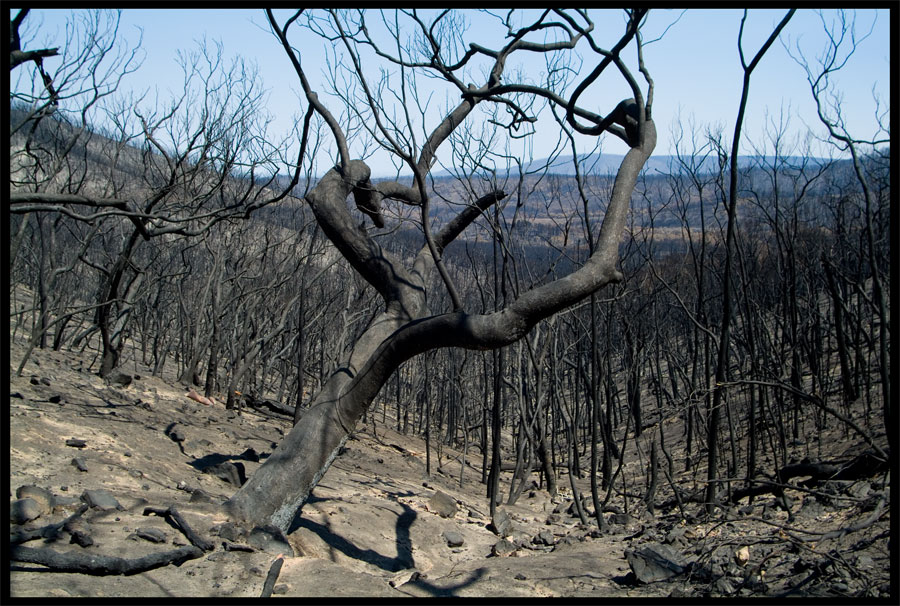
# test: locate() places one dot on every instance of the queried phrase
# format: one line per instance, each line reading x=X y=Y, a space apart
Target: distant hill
x=603 y=164
x=609 y=163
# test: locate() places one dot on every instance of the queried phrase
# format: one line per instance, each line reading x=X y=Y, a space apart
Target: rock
x=44 y=498
x=676 y=536
x=403 y=577
x=65 y=502
x=34 y=380
x=79 y=463
x=503 y=548
x=227 y=530
x=175 y=433
x=442 y=504
x=742 y=556
x=57 y=399
x=655 y=562
x=280 y=589
x=250 y=455
x=154 y=535
x=24 y=510
x=544 y=537
x=553 y=518
x=453 y=538
x=100 y=499
x=76 y=443
x=859 y=490
x=270 y=539
x=230 y=472
x=501 y=524
x=201 y=444
x=81 y=538
x=723 y=586
x=520 y=577
x=120 y=379
x=199 y=496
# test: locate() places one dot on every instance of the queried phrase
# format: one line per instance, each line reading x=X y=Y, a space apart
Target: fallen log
x=862 y=466
x=86 y=563
x=175 y=519
x=270 y=406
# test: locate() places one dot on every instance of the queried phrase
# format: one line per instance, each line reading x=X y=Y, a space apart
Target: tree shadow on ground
x=403 y=559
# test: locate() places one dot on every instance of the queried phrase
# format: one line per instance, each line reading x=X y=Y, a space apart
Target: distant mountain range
x=603 y=164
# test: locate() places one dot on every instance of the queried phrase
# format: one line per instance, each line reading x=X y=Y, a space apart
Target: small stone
x=742 y=556
x=520 y=577
x=81 y=538
x=154 y=535
x=453 y=538
x=57 y=399
x=34 y=380
x=100 y=499
x=45 y=381
x=199 y=496
x=79 y=463
x=175 y=433
x=76 y=443
x=280 y=589
x=723 y=586
x=24 y=510
x=503 y=548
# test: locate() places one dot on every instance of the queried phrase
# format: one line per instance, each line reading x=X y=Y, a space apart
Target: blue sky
x=695 y=66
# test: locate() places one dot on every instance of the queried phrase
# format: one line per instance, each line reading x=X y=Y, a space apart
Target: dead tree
x=407 y=327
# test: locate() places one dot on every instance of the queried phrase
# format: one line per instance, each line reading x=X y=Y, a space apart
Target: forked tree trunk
x=277 y=490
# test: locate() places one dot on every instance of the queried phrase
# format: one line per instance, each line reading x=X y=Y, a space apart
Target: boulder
x=44 y=498
x=655 y=562
x=501 y=524
x=442 y=504
x=24 y=510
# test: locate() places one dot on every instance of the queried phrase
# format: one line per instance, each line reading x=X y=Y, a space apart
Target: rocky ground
x=97 y=468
